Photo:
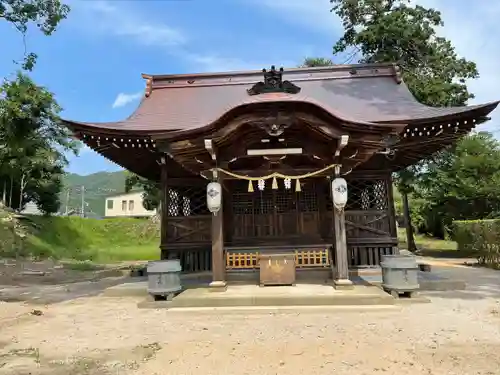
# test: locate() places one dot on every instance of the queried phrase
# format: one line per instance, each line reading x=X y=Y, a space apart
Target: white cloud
x=119 y=19
x=123 y=99
x=116 y=18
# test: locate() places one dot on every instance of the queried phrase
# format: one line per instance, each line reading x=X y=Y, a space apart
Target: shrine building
x=273 y=142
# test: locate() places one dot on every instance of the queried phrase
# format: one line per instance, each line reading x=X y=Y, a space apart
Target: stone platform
x=256 y=296
x=242 y=292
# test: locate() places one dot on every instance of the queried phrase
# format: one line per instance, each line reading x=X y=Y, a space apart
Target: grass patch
x=433 y=247
x=87 y=241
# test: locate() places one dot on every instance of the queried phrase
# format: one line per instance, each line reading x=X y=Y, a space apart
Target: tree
x=316 y=61
x=45 y=14
x=151 y=190
x=32 y=145
x=462 y=183
x=396 y=32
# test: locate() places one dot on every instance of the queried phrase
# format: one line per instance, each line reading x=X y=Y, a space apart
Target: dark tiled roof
x=357 y=93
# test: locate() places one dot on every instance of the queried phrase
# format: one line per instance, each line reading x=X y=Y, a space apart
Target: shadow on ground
x=480 y=282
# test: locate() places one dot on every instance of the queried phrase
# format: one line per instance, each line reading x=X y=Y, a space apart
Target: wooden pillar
x=393 y=228
x=164 y=209
x=341 y=277
x=390 y=207
x=218 y=264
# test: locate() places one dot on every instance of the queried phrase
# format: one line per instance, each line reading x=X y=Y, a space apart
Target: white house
x=126 y=205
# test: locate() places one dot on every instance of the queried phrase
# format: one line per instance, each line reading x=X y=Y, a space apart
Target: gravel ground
x=455 y=334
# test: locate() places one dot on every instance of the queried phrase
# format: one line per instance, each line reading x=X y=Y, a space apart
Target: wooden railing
x=303 y=259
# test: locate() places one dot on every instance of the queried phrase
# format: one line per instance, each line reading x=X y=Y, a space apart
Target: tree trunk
x=21 y=191
x=4 y=194
x=410 y=240
x=10 y=192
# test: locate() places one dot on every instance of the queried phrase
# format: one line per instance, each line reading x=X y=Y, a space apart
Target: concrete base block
x=343 y=284
x=217 y=286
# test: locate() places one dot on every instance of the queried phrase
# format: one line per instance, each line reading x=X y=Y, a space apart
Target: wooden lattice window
x=367 y=195
x=308 y=197
x=187 y=201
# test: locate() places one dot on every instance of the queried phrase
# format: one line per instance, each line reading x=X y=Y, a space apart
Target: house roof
x=132 y=192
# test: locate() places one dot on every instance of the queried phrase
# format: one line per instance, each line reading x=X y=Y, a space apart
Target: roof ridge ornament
x=149 y=86
x=273 y=82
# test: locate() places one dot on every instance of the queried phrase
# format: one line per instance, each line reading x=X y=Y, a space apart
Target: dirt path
x=458 y=333
x=99 y=335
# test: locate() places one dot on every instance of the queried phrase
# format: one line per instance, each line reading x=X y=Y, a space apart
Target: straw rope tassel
x=297 y=186
x=275 y=184
x=250 y=186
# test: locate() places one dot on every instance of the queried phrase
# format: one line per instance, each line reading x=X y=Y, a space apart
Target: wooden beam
x=344 y=139
x=209 y=146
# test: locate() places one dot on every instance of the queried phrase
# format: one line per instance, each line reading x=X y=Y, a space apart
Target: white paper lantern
x=339 y=192
x=214 y=197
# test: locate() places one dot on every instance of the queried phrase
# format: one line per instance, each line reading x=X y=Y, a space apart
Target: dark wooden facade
x=273 y=218
x=231 y=127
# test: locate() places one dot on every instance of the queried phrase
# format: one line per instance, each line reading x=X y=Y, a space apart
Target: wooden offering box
x=277 y=269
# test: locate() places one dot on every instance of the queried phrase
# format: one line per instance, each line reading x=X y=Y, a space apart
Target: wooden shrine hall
x=280 y=151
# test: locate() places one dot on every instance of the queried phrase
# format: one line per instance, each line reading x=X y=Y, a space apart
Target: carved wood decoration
x=273 y=130
x=273 y=82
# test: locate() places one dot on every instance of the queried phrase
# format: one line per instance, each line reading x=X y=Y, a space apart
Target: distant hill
x=98 y=186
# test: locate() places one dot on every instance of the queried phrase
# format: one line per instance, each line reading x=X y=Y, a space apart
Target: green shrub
x=480 y=238
x=80 y=239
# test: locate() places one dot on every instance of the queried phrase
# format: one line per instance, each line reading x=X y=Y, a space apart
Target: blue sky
x=93 y=63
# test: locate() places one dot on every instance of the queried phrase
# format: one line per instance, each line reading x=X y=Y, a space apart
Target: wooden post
x=164 y=210
x=393 y=228
x=218 y=265
x=341 y=278
x=390 y=207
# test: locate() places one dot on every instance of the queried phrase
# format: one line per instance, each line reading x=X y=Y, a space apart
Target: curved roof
x=372 y=93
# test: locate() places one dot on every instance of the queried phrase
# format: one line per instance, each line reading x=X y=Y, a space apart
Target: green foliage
x=32 y=145
x=80 y=239
x=316 y=61
x=430 y=246
x=455 y=183
x=480 y=238
x=98 y=186
x=462 y=184
x=151 y=196
x=394 y=31
x=44 y=14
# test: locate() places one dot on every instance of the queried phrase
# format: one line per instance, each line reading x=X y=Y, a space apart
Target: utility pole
x=83 y=201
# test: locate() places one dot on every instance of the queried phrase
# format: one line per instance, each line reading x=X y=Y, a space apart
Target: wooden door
x=277 y=214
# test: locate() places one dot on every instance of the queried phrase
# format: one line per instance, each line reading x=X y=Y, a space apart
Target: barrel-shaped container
x=399 y=273
x=164 y=277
